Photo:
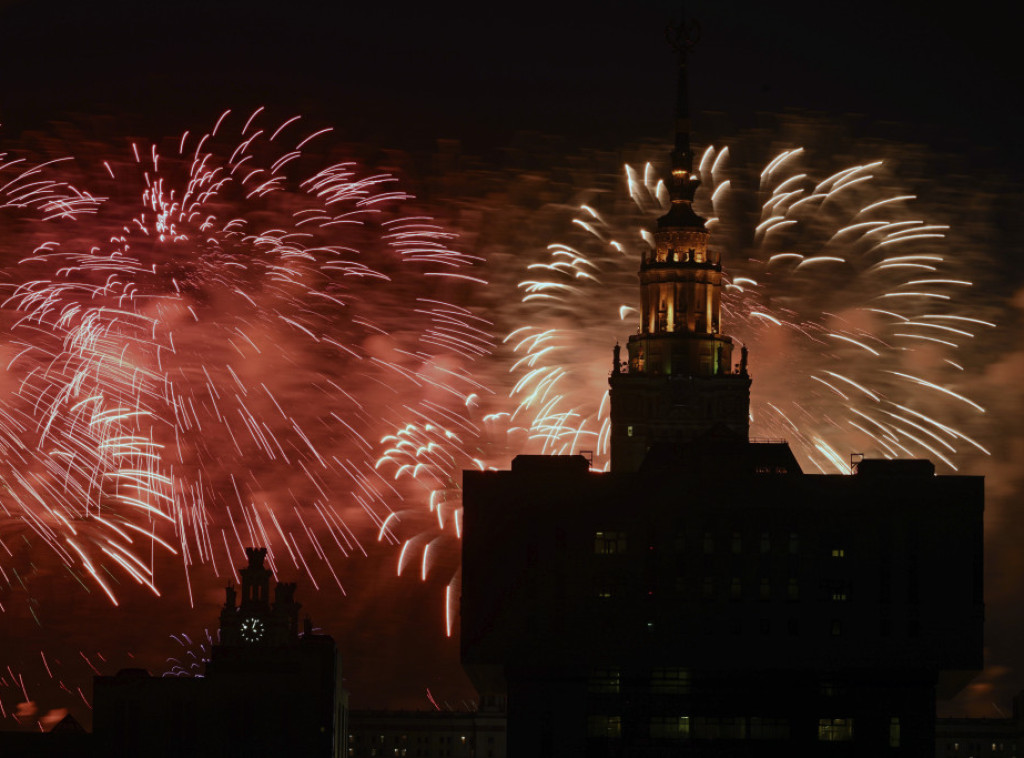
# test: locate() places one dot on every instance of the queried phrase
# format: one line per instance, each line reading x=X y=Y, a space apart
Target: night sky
x=594 y=75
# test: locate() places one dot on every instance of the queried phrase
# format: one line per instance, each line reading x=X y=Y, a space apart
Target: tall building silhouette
x=705 y=597
x=268 y=689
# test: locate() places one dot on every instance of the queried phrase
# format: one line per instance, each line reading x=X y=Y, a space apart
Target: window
x=709 y=543
x=894 y=732
x=793 y=589
x=769 y=728
x=838 y=595
x=670 y=727
x=766 y=588
x=766 y=543
x=837 y=628
x=835 y=730
x=609 y=543
x=724 y=728
x=604 y=680
x=829 y=689
x=708 y=589
x=608 y=727
x=670 y=681
x=629 y=430
x=735 y=588
x=737 y=543
x=794 y=543
x=838 y=552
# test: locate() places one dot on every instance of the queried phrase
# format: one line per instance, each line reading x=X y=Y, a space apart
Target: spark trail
x=207 y=351
x=857 y=316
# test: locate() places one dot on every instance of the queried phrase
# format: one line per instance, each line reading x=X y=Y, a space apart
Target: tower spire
x=683 y=182
x=680 y=381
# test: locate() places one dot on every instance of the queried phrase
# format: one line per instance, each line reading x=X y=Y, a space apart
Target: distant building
x=268 y=690
x=427 y=734
x=706 y=597
x=982 y=738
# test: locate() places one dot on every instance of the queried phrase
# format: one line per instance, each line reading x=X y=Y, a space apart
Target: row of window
x=667 y=681
x=405 y=753
x=440 y=739
x=673 y=681
x=837 y=591
x=980 y=748
x=615 y=542
x=730 y=728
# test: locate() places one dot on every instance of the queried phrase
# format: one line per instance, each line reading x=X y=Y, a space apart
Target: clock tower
x=680 y=381
x=254 y=622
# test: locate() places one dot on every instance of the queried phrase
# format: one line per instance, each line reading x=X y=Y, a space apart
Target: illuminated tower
x=680 y=381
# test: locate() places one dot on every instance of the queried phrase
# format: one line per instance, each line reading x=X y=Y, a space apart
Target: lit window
x=604 y=680
x=609 y=727
x=835 y=730
x=894 y=732
x=670 y=727
x=670 y=681
x=839 y=596
x=629 y=430
x=609 y=543
x=838 y=552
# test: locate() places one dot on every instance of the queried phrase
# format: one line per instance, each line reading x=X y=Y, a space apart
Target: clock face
x=253 y=629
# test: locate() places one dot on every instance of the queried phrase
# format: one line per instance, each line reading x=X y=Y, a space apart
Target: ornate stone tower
x=680 y=381
x=255 y=622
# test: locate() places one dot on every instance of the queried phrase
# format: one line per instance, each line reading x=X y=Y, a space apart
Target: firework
x=852 y=306
x=207 y=352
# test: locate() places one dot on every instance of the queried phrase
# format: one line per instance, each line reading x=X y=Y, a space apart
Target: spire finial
x=683 y=184
x=682 y=39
